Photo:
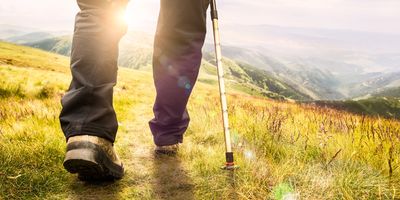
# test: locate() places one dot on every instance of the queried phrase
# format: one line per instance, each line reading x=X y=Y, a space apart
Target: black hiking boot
x=167 y=150
x=93 y=159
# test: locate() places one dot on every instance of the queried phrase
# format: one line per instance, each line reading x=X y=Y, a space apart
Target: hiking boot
x=93 y=158
x=167 y=150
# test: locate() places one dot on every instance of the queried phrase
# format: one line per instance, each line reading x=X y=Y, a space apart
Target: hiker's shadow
x=94 y=190
x=170 y=179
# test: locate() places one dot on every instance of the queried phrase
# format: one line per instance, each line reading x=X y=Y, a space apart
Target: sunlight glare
x=141 y=14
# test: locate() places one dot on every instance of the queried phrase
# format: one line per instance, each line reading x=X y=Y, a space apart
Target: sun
x=141 y=13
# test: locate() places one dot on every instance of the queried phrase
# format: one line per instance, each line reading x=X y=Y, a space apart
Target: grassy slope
x=388 y=107
x=281 y=147
x=252 y=80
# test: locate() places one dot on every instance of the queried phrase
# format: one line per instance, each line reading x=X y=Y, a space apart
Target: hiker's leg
x=177 y=56
x=87 y=106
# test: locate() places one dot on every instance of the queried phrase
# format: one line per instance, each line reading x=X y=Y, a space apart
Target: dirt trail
x=147 y=176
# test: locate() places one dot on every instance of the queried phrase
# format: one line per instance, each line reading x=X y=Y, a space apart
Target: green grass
x=283 y=149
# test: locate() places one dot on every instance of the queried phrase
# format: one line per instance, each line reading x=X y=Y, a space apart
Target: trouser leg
x=177 y=56
x=87 y=107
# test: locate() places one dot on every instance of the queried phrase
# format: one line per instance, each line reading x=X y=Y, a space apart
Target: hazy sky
x=368 y=15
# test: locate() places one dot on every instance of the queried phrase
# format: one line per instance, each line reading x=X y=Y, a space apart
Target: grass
x=284 y=150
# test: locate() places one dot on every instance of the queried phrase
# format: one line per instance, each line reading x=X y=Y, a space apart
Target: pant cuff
x=167 y=140
x=91 y=130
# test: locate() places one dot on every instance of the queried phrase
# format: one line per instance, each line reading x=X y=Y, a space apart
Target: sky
x=364 y=15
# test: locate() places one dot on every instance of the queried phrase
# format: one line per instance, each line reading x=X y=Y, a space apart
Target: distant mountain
x=30 y=37
x=316 y=83
x=61 y=45
x=388 y=107
x=7 y=31
x=325 y=63
x=135 y=48
x=265 y=82
x=22 y=35
x=375 y=84
x=388 y=92
x=136 y=52
x=319 y=64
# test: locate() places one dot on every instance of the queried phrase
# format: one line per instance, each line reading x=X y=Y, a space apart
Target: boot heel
x=82 y=161
x=93 y=158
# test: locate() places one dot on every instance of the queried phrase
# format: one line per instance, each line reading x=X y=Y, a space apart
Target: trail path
x=156 y=177
x=147 y=176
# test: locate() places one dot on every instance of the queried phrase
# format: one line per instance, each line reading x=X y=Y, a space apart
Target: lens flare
x=249 y=155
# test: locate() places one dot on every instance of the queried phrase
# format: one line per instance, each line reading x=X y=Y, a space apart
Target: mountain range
x=283 y=62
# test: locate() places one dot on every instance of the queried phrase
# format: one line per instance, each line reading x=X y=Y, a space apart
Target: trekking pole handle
x=214 y=11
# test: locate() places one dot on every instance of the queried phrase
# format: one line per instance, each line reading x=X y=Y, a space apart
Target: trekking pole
x=229 y=165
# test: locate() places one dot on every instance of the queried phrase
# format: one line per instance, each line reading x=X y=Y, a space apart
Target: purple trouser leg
x=177 y=57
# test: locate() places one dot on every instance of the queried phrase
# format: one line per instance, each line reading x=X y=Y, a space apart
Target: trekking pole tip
x=230 y=166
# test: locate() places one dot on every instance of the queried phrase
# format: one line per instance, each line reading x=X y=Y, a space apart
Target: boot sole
x=92 y=165
x=165 y=152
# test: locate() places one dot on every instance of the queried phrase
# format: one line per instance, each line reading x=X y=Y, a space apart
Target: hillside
x=388 y=107
x=388 y=92
x=29 y=37
x=7 y=31
x=60 y=45
x=136 y=53
x=323 y=64
x=328 y=64
x=284 y=150
x=312 y=82
x=376 y=84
